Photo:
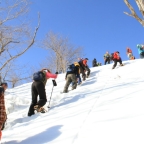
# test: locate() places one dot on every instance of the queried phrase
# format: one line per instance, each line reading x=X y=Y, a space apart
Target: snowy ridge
x=107 y=108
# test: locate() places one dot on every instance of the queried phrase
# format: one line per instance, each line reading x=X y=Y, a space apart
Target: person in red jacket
x=86 y=67
x=129 y=53
x=116 y=58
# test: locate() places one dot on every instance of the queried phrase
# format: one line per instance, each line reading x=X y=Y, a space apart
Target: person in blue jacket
x=140 y=50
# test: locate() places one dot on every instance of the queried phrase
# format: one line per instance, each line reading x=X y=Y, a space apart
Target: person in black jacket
x=71 y=77
x=94 y=63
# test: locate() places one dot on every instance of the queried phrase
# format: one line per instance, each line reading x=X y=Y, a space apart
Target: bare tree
x=62 y=52
x=15 y=37
x=15 y=80
x=140 y=4
x=15 y=34
x=16 y=74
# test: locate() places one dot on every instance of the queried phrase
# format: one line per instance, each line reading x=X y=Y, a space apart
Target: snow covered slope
x=108 y=108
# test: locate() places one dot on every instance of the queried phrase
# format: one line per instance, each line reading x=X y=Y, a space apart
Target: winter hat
x=86 y=58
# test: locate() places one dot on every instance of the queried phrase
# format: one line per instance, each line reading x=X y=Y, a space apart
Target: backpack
x=71 y=68
x=76 y=64
x=38 y=76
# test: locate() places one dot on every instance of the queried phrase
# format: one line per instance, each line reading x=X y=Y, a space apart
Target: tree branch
x=133 y=13
x=32 y=42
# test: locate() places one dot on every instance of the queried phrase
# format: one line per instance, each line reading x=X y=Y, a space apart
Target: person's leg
x=68 y=81
x=106 y=61
x=120 y=61
x=79 y=79
x=34 y=99
x=88 y=72
x=83 y=73
x=42 y=94
x=74 y=80
x=115 y=64
x=142 y=55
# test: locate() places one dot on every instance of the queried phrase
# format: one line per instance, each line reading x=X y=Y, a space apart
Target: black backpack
x=71 y=68
x=39 y=76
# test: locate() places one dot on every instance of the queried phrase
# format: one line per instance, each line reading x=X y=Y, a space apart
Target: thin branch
x=32 y=42
x=133 y=13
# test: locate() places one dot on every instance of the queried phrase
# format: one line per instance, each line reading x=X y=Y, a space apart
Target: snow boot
x=39 y=109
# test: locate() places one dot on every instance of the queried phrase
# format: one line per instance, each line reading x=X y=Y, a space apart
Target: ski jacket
x=116 y=56
x=47 y=76
x=107 y=55
x=82 y=66
x=50 y=75
x=76 y=72
x=129 y=50
x=140 y=49
x=84 y=62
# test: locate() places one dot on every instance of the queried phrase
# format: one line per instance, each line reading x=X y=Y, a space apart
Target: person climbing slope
x=71 y=77
x=129 y=53
x=106 y=58
x=116 y=58
x=140 y=50
x=38 y=88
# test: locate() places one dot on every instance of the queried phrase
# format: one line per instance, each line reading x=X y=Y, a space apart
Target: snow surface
x=108 y=108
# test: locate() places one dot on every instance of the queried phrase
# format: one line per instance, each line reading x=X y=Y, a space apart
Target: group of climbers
x=115 y=57
x=73 y=74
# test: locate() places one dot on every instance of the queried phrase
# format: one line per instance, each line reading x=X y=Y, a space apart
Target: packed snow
x=108 y=108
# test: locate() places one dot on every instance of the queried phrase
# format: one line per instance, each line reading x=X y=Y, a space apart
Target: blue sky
x=98 y=26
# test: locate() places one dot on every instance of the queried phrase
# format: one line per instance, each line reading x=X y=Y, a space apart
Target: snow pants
x=142 y=55
x=37 y=88
x=115 y=62
x=88 y=71
x=107 y=60
x=70 y=78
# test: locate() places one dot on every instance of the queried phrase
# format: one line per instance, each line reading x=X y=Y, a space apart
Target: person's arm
x=50 y=75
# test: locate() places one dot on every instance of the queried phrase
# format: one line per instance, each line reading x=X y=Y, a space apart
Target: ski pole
x=54 y=84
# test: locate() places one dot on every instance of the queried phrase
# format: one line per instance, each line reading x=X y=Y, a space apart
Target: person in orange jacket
x=116 y=58
x=129 y=53
x=86 y=67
